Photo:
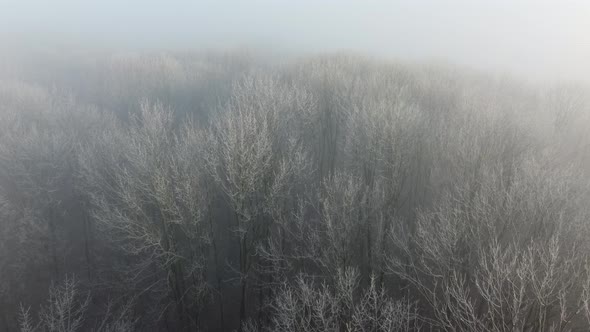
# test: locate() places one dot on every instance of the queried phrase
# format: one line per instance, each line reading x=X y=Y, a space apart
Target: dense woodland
x=241 y=192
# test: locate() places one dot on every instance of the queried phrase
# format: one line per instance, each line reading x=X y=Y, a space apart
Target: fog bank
x=531 y=39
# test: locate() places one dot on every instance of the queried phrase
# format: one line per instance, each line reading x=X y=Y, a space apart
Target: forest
x=238 y=191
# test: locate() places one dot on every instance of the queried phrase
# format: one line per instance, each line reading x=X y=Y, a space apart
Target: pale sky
x=527 y=38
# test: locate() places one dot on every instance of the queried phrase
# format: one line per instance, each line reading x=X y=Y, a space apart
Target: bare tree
x=66 y=311
x=307 y=306
x=249 y=156
x=504 y=259
x=149 y=199
x=332 y=193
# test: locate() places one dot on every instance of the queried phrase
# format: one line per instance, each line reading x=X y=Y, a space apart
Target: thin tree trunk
x=89 y=268
x=217 y=272
x=53 y=239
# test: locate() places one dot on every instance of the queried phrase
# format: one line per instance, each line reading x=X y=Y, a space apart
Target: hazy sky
x=531 y=38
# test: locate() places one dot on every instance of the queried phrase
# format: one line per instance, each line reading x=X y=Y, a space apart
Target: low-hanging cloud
x=529 y=38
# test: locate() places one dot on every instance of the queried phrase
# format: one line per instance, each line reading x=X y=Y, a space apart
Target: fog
x=532 y=39
x=282 y=166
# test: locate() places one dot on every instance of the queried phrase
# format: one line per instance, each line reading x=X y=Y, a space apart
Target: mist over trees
x=233 y=191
